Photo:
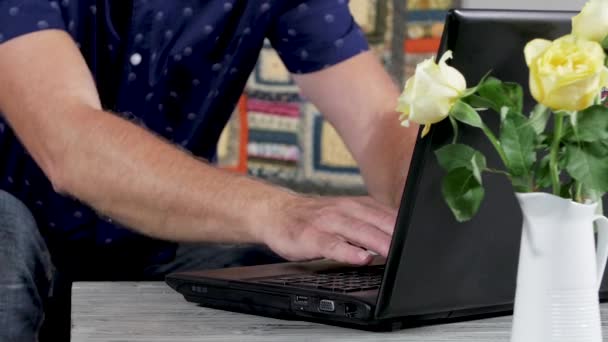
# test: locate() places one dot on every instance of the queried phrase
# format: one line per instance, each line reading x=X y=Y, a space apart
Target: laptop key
x=367 y=288
x=275 y=281
x=335 y=281
x=309 y=285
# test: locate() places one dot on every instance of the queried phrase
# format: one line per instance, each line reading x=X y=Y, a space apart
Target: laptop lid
x=436 y=264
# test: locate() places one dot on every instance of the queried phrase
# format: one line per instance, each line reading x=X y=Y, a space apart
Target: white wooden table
x=154 y=312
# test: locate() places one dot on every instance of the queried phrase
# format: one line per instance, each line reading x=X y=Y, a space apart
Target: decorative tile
x=270 y=76
x=371 y=16
x=232 y=146
x=325 y=159
x=270 y=69
x=332 y=152
x=273 y=147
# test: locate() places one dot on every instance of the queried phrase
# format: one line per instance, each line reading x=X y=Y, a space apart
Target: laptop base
x=379 y=326
x=247 y=298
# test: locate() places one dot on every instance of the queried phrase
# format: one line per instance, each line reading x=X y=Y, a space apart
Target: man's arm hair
x=359 y=98
x=49 y=99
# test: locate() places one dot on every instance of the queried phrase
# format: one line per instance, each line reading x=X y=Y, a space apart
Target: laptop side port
x=350 y=310
x=327 y=305
x=300 y=300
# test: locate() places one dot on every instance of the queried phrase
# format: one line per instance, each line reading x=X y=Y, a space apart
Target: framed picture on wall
x=424 y=26
x=371 y=15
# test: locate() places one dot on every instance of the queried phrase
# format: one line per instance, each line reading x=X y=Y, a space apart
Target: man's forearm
x=49 y=98
x=359 y=98
x=145 y=183
x=385 y=159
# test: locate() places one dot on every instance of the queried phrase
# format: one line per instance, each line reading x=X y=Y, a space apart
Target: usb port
x=301 y=300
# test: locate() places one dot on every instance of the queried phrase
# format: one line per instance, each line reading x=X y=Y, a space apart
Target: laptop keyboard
x=344 y=280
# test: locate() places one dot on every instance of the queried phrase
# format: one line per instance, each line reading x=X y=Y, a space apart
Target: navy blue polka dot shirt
x=175 y=67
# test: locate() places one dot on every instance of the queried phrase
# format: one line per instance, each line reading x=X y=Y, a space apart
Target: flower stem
x=557 y=135
x=495 y=143
x=498 y=172
x=454 y=128
x=579 y=192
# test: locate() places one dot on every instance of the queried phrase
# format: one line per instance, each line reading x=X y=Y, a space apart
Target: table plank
x=151 y=311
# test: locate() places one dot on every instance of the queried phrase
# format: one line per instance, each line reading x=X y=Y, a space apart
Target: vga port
x=327 y=305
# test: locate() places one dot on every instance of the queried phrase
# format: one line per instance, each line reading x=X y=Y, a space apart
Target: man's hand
x=338 y=228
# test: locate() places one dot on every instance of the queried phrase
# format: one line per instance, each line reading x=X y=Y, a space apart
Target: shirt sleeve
x=316 y=34
x=20 y=17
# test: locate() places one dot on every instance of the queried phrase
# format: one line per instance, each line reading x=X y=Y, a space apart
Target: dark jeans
x=35 y=296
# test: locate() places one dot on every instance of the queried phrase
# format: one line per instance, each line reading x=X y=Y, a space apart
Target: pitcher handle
x=602 y=246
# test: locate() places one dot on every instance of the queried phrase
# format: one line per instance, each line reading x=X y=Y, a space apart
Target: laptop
x=437 y=269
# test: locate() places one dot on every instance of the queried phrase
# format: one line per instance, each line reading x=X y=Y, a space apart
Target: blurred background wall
x=277 y=135
x=526 y=4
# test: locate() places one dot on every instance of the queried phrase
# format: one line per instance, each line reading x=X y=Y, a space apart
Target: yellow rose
x=592 y=22
x=566 y=74
x=430 y=93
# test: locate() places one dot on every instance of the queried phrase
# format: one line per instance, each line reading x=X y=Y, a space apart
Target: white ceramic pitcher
x=559 y=271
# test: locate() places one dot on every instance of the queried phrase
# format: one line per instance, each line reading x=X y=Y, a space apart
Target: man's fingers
x=375 y=214
x=332 y=247
x=361 y=233
x=367 y=200
x=342 y=229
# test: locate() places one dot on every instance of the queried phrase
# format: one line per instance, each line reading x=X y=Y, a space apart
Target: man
x=96 y=97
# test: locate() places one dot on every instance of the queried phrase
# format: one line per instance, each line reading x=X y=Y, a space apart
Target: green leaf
x=587 y=164
x=539 y=118
x=543 y=142
x=591 y=194
x=502 y=94
x=473 y=90
x=478 y=102
x=543 y=174
x=568 y=190
x=521 y=184
x=469 y=92
x=456 y=156
x=603 y=144
x=466 y=114
x=463 y=193
x=605 y=43
x=591 y=125
x=518 y=140
x=562 y=159
x=504 y=111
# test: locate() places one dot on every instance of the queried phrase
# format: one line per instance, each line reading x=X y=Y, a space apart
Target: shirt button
x=135 y=59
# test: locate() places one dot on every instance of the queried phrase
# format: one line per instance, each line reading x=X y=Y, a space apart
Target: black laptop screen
x=437 y=264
